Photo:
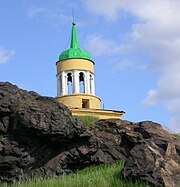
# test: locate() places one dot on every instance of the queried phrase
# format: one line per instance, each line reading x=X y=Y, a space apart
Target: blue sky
x=135 y=46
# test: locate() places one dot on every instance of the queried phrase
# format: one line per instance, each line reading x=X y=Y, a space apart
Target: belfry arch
x=81 y=83
x=69 y=83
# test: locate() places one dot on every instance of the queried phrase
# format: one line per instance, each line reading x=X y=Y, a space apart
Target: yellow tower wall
x=76 y=101
x=75 y=64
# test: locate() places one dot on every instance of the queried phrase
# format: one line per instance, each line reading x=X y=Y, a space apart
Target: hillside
x=105 y=175
x=40 y=138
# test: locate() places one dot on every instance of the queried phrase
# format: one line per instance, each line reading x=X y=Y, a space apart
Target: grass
x=88 y=120
x=177 y=136
x=1 y=136
x=105 y=175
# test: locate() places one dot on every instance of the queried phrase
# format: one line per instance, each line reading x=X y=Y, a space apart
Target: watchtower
x=75 y=82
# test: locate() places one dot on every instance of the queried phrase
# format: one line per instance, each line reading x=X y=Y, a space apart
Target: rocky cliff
x=39 y=137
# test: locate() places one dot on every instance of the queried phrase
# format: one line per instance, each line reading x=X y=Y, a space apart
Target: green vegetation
x=1 y=136
x=105 y=175
x=176 y=136
x=88 y=120
x=22 y=103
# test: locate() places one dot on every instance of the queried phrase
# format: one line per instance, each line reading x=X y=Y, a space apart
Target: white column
x=66 y=84
x=75 y=81
x=58 y=85
x=88 y=82
x=63 y=83
x=85 y=83
x=92 y=84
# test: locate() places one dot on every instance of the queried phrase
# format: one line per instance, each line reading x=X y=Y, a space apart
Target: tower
x=75 y=82
x=75 y=77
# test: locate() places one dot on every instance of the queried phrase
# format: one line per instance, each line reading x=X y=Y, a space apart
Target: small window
x=85 y=103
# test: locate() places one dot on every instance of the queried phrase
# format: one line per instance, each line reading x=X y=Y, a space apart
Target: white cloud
x=108 y=8
x=123 y=65
x=174 y=106
x=174 y=124
x=49 y=14
x=142 y=9
x=32 y=12
x=156 y=34
x=151 y=98
x=98 y=46
x=5 y=55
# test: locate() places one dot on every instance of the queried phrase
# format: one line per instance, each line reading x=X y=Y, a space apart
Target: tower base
x=80 y=101
x=85 y=104
x=100 y=113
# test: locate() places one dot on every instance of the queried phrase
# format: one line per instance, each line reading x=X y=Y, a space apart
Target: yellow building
x=75 y=82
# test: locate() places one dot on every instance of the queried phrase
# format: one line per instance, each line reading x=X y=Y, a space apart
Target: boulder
x=154 y=159
x=39 y=137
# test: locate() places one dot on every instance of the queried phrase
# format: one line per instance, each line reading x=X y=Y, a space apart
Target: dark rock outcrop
x=39 y=137
x=156 y=157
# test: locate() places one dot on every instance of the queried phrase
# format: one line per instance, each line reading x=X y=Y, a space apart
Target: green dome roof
x=74 y=51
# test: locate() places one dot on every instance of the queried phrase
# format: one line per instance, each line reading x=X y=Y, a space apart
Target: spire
x=74 y=41
x=74 y=51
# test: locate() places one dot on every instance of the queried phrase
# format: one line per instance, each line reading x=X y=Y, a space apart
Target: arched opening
x=81 y=83
x=69 y=83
